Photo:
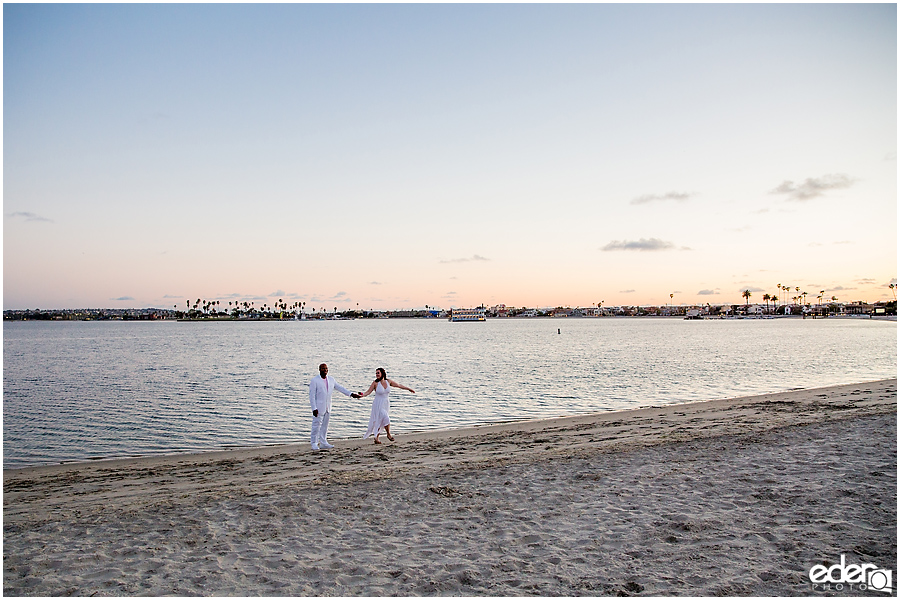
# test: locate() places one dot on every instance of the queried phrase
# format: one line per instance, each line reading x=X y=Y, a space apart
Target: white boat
x=467 y=314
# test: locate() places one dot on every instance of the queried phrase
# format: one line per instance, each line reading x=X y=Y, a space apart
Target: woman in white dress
x=381 y=405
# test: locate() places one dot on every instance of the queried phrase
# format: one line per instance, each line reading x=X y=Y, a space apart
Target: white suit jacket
x=320 y=393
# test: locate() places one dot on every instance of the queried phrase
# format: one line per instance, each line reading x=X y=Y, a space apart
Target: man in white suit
x=320 y=390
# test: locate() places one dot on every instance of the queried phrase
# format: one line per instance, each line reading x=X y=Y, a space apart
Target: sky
x=410 y=155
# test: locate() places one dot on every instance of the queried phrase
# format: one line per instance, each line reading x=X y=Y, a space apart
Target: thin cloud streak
x=641 y=245
x=813 y=187
x=676 y=196
x=474 y=258
x=28 y=216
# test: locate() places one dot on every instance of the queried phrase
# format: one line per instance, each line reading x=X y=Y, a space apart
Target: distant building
x=858 y=308
x=499 y=310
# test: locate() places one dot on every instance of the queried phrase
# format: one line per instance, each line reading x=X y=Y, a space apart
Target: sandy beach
x=726 y=497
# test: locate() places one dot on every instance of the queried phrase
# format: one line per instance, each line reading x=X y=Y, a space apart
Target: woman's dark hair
x=383 y=374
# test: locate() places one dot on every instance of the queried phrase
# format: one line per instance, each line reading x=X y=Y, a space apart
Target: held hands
x=356 y=395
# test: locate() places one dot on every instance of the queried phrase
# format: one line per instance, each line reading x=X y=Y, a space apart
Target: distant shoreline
x=517 y=318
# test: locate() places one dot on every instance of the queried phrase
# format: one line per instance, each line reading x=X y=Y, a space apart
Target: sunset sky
x=397 y=156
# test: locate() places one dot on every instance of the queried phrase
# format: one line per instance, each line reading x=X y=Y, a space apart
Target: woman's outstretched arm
x=401 y=386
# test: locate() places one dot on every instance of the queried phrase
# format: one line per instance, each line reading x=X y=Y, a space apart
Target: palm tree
x=767 y=297
x=893 y=287
x=746 y=294
x=774 y=300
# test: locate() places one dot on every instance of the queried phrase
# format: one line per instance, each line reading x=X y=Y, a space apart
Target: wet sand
x=726 y=497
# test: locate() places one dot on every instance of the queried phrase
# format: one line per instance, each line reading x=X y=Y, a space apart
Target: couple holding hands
x=322 y=387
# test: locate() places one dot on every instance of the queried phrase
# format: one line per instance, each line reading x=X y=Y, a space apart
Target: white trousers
x=320 y=429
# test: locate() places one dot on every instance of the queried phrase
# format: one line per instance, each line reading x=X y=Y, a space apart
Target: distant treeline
x=90 y=314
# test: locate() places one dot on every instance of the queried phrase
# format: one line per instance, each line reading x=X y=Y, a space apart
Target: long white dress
x=381 y=408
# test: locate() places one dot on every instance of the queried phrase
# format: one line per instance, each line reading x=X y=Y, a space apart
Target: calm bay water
x=84 y=390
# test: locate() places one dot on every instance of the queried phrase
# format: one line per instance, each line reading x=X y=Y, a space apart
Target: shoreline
x=10 y=319
x=737 y=496
x=527 y=424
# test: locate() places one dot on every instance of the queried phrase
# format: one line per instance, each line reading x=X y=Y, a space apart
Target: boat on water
x=467 y=314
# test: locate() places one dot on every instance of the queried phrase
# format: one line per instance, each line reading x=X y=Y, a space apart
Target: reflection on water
x=79 y=390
